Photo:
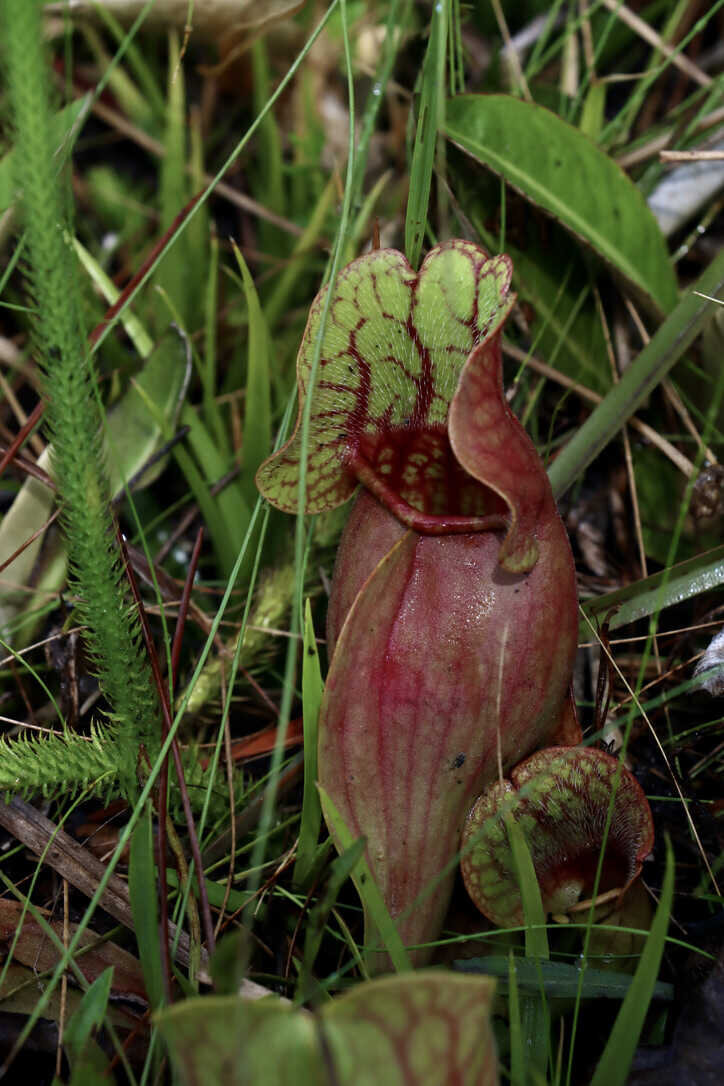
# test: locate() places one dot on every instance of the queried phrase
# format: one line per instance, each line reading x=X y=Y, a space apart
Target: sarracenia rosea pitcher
x=452 y=619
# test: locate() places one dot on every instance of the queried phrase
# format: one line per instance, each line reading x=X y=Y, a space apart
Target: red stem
x=22 y=435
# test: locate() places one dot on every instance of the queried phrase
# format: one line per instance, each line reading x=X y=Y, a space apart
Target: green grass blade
x=518 y=1053
x=432 y=100
x=90 y=1013
x=234 y=154
x=340 y=870
x=534 y=1019
x=176 y=273
x=144 y=906
x=613 y=1067
x=367 y=889
x=269 y=172
x=134 y=328
x=232 y=511
x=304 y=251
x=300 y=535
x=397 y=19
x=212 y=413
x=257 y=402
x=643 y=375
x=312 y=691
x=137 y=64
x=536 y=937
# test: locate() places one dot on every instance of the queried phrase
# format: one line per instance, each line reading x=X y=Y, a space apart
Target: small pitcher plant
x=452 y=620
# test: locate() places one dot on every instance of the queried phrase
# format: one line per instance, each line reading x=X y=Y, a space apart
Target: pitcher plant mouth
x=394 y=349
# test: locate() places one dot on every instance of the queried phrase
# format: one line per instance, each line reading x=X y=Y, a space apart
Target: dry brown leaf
x=35 y=950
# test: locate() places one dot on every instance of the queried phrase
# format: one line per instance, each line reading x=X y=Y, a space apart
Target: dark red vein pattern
x=392 y=354
x=560 y=797
x=414 y=1029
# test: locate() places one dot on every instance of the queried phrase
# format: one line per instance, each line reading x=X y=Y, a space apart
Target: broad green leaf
x=560 y=170
x=393 y=350
x=135 y=427
x=312 y=691
x=559 y=979
x=560 y=798
x=613 y=1067
x=398 y=1031
x=653 y=594
x=63 y=124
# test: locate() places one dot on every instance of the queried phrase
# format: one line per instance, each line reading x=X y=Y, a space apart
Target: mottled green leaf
x=393 y=349
x=560 y=798
x=421 y=1028
x=560 y=170
x=398 y=1031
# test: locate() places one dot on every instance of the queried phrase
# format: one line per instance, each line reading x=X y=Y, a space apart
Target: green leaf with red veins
x=560 y=797
x=393 y=349
x=421 y=1028
x=399 y=1031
